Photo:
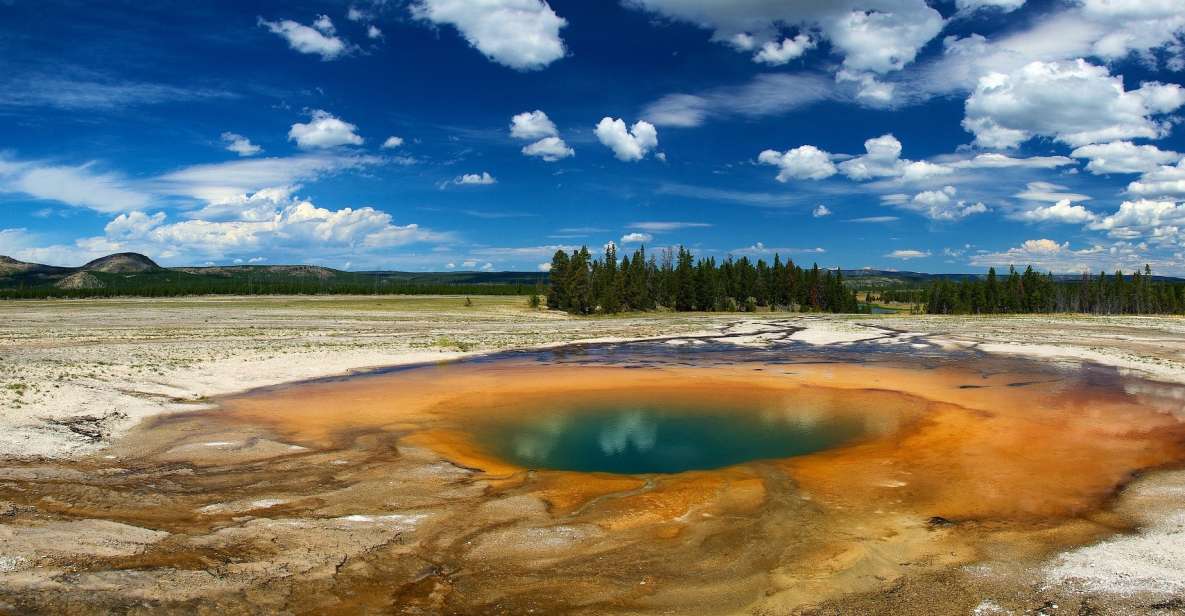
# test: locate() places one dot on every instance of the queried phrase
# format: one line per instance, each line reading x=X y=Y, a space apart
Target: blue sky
x=943 y=136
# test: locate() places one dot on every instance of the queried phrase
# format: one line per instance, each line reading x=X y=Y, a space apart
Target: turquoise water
x=632 y=439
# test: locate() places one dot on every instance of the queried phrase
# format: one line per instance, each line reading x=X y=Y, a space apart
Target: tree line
x=1030 y=292
x=676 y=280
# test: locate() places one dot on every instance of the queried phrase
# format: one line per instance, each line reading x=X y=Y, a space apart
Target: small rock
x=939 y=522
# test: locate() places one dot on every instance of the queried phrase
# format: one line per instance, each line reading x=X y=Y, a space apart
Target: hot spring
x=620 y=436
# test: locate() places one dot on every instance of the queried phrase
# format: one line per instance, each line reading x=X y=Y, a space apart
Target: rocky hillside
x=122 y=263
x=80 y=280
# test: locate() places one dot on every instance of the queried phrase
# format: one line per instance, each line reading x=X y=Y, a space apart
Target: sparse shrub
x=750 y=304
x=468 y=302
x=534 y=302
x=453 y=343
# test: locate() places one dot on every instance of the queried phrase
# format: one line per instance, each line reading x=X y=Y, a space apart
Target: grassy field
x=327 y=303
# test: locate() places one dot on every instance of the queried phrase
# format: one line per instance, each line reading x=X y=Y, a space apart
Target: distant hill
x=122 y=263
x=135 y=274
x=10 y=266
x=871 y=278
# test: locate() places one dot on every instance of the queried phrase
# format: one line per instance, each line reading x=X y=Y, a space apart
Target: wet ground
x=383 y=493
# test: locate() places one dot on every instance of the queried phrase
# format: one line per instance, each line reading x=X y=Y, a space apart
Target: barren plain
x=136 y=480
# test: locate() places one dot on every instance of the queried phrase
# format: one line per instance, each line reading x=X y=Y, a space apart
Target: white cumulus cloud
x=531 y=125
x=1145 y=219
x=535 y=125
x=869 y=89
x=240 y=145
x=627 y=145
x=392 y=142
x=1124 y=157
x=1106 y=29
x=802 y=163
x=777 y=54
x=1043 y=246
x=882 y=159
x=297 y=229
x=320 y=39
x=521 y=34
x=1049 y=255
x=636 y=238
x=1168 y=180
x=875 y=36
x=939 y=205
x=480 y=179
x=324 y=131
x=1076 y=103
x=1061 y=212
x=133 y=225
x=549 y=149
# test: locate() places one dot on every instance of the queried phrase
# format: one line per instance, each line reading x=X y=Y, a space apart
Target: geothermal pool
x=696 y=475
x=627 y=437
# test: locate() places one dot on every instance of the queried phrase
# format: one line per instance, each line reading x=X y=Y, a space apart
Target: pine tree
x=579 y=286
x=636 y=289
x=557 y=289
x=684 y=282
x=992 y=292
x=608 y=284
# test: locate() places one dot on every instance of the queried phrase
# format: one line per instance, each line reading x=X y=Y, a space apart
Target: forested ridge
x=1030 y=293
x=676 y=280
